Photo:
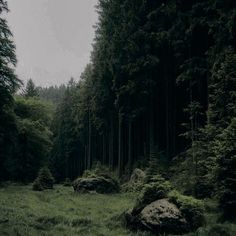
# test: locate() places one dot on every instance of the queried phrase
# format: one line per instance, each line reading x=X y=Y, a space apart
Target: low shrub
x=44 y=180
x=191 y=208
x=132 y=188
x=136 y=182
x=154 y=191
x=101 y=171
x=157 y=188
x=67 y=182
x=37 y=185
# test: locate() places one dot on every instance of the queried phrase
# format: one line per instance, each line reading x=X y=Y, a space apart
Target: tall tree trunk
x=130 y=151
x=85 y=157
x=120 y=146
x=89 y=142
x=151 y=133
x=111 y=142
x=167 y=110
x=104 y=149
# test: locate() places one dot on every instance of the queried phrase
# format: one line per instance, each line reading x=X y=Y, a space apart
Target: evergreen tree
x=30 y=90
x=8 y=85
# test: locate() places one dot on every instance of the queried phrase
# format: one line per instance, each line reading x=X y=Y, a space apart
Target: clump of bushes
x=191 y=208
x=157 y=188
x=136 y=181
x=67 y=182
x=44 y=180
x=99 y=170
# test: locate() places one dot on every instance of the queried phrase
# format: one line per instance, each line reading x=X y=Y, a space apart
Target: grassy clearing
x=24 y=212
x=61 y=212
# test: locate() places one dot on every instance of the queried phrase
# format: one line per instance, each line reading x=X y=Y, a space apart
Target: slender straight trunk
x=130 y=151
x=103 y=149
x=85 y=157
x=167 y=109
x=146 y=144
x=67 y=167
x=151 y=133
x=89 y=142
x=111 y=142
x=120 y=146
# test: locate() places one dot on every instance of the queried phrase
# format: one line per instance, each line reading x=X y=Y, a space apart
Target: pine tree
x=30 y=90
x=8 y=85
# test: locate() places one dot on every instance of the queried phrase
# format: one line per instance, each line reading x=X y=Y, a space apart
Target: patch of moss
x=191 y=208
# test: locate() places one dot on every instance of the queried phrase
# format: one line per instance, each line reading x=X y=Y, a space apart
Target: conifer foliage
x=161 y=80
x=44 y=180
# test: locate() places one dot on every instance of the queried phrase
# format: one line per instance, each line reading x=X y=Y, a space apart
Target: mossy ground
x=60 y=211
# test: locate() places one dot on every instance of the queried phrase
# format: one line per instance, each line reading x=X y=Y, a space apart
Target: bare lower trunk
x=120 y=147
x=130 y=147
x=89 y=144
x=111 y=143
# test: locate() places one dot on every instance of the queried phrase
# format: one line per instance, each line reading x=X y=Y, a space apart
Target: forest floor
x=60 y=211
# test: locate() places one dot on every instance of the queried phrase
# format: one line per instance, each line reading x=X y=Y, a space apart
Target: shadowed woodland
x=153 y=116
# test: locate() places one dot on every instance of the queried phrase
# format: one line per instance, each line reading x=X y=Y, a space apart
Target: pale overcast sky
x=53 y=38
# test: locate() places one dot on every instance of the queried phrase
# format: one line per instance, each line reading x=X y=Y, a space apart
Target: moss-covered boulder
x=98 y=184
x=162 y=216
x=44 y=180
x=161 y=210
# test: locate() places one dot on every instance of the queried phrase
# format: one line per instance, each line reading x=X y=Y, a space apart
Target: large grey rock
x=162 y=216
x=96 y=184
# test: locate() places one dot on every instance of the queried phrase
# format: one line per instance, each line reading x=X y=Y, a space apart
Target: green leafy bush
x=67 y=182
x=136 y=182
x=157 y=188
x=99 y=170
x=37 y=185
x=191 y=208
x=44 y=180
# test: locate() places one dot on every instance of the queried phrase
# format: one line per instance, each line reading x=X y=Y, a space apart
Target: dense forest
x=159 y=94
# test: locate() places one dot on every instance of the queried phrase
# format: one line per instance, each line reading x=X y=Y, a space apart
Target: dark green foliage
x=66 y=146
x=30 y=90
x=191 y=208
x=226 y=175
x=67 y=182
x=136 y=182
x=157 y=188
x=160 y=84
x=8 y=86
x=52 y=94
x=34 y=137
x=152 y=169
x=44 y=180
